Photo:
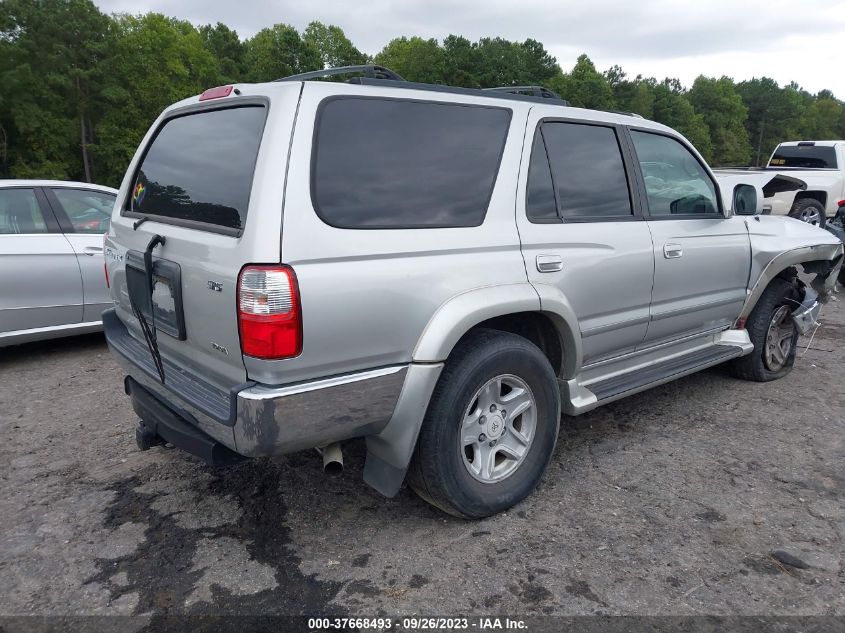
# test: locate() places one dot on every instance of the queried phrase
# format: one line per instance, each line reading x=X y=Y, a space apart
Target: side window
x=540 y=202
x=675 y=182
x=88 y=211
x=391 y=163
x=587 y=170
x=20 y=213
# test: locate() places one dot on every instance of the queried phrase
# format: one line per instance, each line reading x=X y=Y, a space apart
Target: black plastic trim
x=51 y=218
x=194 y=390
x=159 y=420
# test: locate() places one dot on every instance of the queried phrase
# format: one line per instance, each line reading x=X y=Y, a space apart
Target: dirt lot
x=688 y=499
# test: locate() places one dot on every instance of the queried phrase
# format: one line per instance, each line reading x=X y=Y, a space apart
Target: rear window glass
x=811 y=156
x=382 y=163
x=199 y=167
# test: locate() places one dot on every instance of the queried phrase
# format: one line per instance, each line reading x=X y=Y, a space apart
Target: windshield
x=808 y=156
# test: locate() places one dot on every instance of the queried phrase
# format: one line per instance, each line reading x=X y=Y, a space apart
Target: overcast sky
x=800 y=40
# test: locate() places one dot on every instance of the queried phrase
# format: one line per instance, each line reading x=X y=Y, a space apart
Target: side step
x=617 y=386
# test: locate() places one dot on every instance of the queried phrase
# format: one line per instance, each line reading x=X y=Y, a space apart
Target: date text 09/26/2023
x=418 y=624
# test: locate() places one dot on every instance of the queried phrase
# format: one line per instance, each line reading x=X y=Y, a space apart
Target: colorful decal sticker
x=138 y=194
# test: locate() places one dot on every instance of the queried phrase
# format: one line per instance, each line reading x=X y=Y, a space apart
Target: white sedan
x=52 y=279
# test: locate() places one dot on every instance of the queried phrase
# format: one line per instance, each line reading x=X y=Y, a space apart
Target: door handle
x=549 y=263
x=672 y=251
x=93 y=250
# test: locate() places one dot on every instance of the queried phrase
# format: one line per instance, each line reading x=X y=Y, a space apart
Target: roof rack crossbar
x=532 y=91
x=478 y=92
x=371 y=71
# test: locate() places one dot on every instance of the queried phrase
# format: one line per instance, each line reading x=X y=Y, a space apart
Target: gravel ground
x=706 y=496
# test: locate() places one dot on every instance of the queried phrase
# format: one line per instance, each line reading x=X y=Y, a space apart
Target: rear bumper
x=254 y=419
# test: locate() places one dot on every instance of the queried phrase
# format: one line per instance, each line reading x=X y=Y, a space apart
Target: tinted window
x=404 y=164
x=811 y=156
x=199 y=167
x=88 y=211
x=20 y=213
x=540 y=199
x=587 y=170
x=675 y=181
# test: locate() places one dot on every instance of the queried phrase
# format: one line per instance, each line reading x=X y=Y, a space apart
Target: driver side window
x=675 y=182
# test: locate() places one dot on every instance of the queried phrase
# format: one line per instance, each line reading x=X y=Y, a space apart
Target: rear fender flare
x=389 y=452
x=459 y=314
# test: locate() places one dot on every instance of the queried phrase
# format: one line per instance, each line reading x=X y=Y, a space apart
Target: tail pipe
x=332 y=458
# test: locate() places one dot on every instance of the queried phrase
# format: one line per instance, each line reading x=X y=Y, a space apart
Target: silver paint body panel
x=382 y=309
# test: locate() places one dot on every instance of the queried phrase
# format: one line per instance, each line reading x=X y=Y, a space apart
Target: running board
x=619 y=386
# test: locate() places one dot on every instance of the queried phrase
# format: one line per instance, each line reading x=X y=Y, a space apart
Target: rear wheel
x=809 y=211
x=490 y=428
x=774 y=334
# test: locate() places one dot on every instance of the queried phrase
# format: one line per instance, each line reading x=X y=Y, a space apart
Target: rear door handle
x=672 y=251
x=549 y=263
x=93 y=250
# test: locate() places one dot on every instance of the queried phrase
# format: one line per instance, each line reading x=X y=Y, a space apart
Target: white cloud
x=783 y=39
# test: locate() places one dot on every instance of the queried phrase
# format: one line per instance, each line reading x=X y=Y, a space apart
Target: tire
x=779 y=298
x=449 y=472
x=809 y=210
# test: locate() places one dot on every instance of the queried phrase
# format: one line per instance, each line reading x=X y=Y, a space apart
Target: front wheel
x=774 y=334
x=490 y=428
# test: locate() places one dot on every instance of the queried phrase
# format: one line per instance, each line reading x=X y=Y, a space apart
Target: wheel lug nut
x=492 y=442
x=492 y=408
x=503 y=412
x=482 y=420
x=482 y=438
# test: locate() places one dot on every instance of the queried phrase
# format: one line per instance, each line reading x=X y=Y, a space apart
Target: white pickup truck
x=820 y=164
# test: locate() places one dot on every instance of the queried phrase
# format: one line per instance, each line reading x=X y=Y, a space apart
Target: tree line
x=80 y=88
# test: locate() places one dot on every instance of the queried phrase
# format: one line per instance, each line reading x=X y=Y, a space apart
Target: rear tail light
x=269 y=314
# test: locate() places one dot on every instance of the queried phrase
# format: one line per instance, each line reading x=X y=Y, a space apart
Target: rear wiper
x=140 y=222
x=149 y=329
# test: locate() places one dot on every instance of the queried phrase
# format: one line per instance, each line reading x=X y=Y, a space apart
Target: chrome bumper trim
x=264 y=392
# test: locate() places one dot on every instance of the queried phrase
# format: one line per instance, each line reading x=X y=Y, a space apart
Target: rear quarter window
x=391 y=163
x=198 y=169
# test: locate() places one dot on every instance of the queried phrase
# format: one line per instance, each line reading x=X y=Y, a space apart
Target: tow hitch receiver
x=806 y=315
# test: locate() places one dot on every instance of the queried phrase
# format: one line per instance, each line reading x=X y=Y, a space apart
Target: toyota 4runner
x=441 y=271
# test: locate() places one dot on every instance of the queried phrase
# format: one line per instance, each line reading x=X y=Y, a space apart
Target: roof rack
x=626 y=113
x=374 y=75
x=371 y=71
x=531 y=91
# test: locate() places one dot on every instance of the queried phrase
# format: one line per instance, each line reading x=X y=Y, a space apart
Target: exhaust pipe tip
x=332 y=459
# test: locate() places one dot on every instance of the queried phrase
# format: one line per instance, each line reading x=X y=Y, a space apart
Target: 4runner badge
x=215 y=285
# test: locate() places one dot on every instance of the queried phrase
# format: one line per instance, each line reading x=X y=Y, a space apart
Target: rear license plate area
x=166 y=299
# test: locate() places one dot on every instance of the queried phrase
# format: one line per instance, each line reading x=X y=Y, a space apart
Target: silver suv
x=440 y=271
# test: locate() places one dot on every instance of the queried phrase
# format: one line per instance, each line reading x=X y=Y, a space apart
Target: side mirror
x=745 y=200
